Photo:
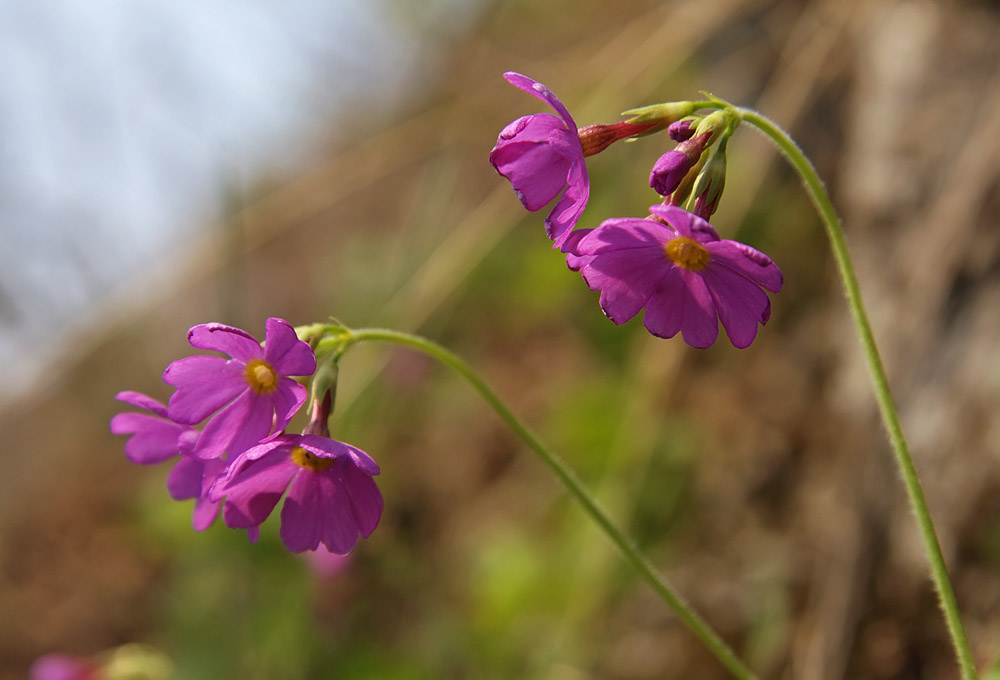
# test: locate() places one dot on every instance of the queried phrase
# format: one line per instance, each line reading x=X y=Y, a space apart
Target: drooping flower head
x=542 y=156
x=332 y=498
x=154 y=438
x=252 y=387
x=687 y=278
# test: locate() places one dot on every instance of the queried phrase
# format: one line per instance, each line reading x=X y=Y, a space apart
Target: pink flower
x=62 y=667
x=332 y=498
x=687 y=278
x=252 y=387
x=154 y=438
x=542 y=156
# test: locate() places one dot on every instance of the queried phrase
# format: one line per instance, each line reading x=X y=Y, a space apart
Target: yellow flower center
x=261 y=376
x=303 y=458
x=687 y=253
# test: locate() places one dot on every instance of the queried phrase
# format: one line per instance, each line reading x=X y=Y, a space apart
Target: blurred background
x=167 y=164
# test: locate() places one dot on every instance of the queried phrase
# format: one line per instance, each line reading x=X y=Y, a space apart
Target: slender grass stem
x=880 y=382
x=342 y=338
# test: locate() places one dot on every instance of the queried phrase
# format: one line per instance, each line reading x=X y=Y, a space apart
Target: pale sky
x=121 y=121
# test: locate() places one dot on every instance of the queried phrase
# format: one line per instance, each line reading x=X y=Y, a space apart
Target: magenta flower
x=62 y=667
x=688 y=279
x=542 y=156
x=252 y=387
x=332 y=498
x=154 y=438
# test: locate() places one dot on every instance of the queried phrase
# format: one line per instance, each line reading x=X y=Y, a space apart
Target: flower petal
x=625 y=233
x=567 y=211
x=325 y=447
x=340 y=526
x=154 y=439
x=185 y=480
x=366 y=499
x=684 y=301
x=748 y=262
x=204 y=514
x=574 y=260
x=287 y=400
x=537 y=170
x=686 y=224
x=536 y=89
x=204 y=385
x=626 y=280
x=242 y=424
x=218 y=337
x=140 y=400
x=284 y=350
x=665 y=309
x=255 y=489
x=741 y=303
x=303 y=514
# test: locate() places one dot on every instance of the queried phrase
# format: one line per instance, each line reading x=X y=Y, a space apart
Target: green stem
x=820 y=198
x=345 y=337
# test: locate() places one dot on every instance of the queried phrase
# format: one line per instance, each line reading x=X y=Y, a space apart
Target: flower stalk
x=341 y=338
x=880 y=382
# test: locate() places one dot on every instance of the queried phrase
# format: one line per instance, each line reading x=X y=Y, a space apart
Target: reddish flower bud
x=596 y=138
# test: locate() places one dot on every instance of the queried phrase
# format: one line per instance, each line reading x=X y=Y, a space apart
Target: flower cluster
x=672 y=262
x=224 y=428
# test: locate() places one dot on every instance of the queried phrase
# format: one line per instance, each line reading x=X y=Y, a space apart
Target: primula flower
x=252 y=387
x=154 y=438
x=332 y=498
x=62 y=667
x=688 y=279
x=541 y=155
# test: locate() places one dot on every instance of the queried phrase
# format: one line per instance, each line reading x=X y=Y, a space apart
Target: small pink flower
x=154 y=438
x=542 y=156
x=332 y=498
x=252 y=388
x=687 y=278
x=62 y=667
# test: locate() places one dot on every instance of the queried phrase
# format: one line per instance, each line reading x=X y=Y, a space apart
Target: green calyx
x=664 y=114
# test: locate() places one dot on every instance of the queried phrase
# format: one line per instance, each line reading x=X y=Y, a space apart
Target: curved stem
x=820 y=198
x=631 y=552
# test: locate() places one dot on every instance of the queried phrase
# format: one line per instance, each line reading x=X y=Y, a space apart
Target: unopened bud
x=597 y=138
x=710 y=182
x=660 y=114
x=683 y=190
x=324 y=387
x=681 y=130
x=674 y=166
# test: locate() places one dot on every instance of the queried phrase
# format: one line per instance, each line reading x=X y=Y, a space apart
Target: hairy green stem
x=341 y=338
x=880 y=382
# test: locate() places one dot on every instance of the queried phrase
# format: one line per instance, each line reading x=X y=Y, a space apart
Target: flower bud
x=660 y=114
x=596 y=138
x=681 y=130
x=673 y=166
x=710 y=182
x=324 y=389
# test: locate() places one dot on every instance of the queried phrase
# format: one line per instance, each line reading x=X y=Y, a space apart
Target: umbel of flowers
x=671 y=263
x=224 y=427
